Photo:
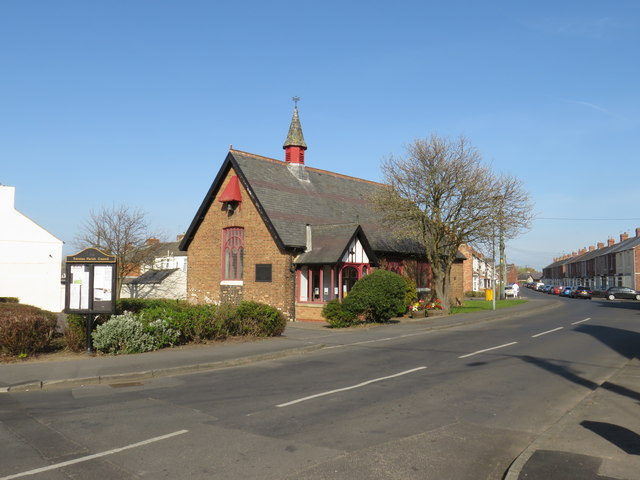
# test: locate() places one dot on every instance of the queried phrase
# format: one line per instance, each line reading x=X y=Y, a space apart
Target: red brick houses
x=599 y=267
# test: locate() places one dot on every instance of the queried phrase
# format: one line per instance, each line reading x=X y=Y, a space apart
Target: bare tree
x=118 y=231
x=441 y=195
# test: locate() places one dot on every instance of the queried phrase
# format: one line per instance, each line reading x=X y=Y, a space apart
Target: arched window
x=232 y=253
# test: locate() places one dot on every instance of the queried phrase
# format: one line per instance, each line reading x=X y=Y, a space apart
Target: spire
x=295 y=137
x=295 y=145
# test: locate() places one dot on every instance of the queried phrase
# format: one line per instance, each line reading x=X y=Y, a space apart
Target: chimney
x=309 y=238
x=610 y=242
x=151 y=241
x=624 y=236
x=7 y=197
x=637 y=232
x=591 y=248
x=600 y=245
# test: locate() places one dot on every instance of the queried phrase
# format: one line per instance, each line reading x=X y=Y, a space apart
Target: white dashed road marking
x=330 y=392
x=94 y=456
x=487 y=350
x=544 y=333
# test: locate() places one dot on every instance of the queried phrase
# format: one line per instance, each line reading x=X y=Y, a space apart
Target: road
x=391 y=402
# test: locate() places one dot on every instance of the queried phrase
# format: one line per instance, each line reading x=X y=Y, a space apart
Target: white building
x=30 y=257
x=164 y=277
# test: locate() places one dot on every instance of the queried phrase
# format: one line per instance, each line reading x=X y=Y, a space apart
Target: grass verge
x=471 y=306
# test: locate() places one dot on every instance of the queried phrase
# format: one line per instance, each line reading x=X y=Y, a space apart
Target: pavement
x=598 y=439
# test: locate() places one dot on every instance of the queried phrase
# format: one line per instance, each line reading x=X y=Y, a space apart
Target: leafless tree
x=118 y=231
x=441 y=195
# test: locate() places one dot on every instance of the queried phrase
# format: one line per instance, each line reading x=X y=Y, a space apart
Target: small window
x=263 y=272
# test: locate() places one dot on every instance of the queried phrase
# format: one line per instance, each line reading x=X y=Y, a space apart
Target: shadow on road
x=623 y=438
x=619 y=304
x=625 y=342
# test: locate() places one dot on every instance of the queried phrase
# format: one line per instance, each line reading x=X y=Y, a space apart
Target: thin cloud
x=594 y=28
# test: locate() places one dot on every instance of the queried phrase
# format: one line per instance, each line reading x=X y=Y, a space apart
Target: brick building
x=599 y=267
x=292 y=236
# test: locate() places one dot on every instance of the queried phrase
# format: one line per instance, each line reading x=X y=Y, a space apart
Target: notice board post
x=90 y=286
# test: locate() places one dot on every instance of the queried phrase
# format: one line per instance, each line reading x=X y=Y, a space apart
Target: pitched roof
x=152 y=277
x=289 y=197
x=330 y=242
x=167 y=249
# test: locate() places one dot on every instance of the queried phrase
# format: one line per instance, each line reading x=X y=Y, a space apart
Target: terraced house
x=599 y=267
x=292 y=236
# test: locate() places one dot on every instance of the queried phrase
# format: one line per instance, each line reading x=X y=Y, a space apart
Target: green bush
x=9 y=300
x=377 y=297
x=75 y=336
x=127 y=334
x=259 y=320
x=25 y=329
x=136 y=305
x=472 y=294
x=411 y=295
x=163 y=335
x=337 y=316
x=225 y=321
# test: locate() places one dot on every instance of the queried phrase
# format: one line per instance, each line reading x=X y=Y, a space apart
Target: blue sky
x=137 y=102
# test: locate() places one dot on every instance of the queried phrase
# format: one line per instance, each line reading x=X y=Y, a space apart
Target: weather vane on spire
x=295 y=101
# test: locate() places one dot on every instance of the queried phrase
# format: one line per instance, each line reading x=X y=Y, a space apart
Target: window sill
x=238 y=283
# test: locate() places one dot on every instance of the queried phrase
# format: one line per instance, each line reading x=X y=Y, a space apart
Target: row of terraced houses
x=599 y=267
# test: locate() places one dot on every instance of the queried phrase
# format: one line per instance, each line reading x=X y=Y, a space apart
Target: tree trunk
x=441 y=288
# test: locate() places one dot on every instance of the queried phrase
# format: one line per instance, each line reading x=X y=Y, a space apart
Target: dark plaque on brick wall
x=263 y=272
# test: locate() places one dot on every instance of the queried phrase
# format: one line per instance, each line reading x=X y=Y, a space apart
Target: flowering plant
x=435 y=305
x=417 y=306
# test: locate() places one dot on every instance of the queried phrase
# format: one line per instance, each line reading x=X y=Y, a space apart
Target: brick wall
x=467 y=268
x=309 y=312
x=205 y=259
x=457 y=282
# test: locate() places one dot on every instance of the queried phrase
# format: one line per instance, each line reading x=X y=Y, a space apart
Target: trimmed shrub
x=25 y=329
x=411 y=295
x=225 y=321
x=337 y=316
x=75 y=335
x=163 y=335
x=378 y=296
x=259 y=320
x=196 y=323
x=472 y=294
x=127 y=334
x=136 y=305
x=9 y=300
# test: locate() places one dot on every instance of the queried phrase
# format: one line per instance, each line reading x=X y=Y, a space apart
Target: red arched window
x=232 y=253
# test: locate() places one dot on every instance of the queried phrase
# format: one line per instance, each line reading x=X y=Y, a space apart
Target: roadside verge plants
x=24 y=329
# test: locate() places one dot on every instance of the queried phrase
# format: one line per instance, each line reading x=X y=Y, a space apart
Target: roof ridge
x=314 y=169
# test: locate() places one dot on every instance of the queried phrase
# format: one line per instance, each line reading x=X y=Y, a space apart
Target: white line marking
x=347 y=388
x=386 y=339
x=581 y=321
x=548 y=331
x=482 y=351
x=95 y=455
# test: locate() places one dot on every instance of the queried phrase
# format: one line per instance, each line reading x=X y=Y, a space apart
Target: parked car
x=581 y=292
x=566 y=292
x=508 y=291
x=539 y=286
x=556 y=290
x=622 y=292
